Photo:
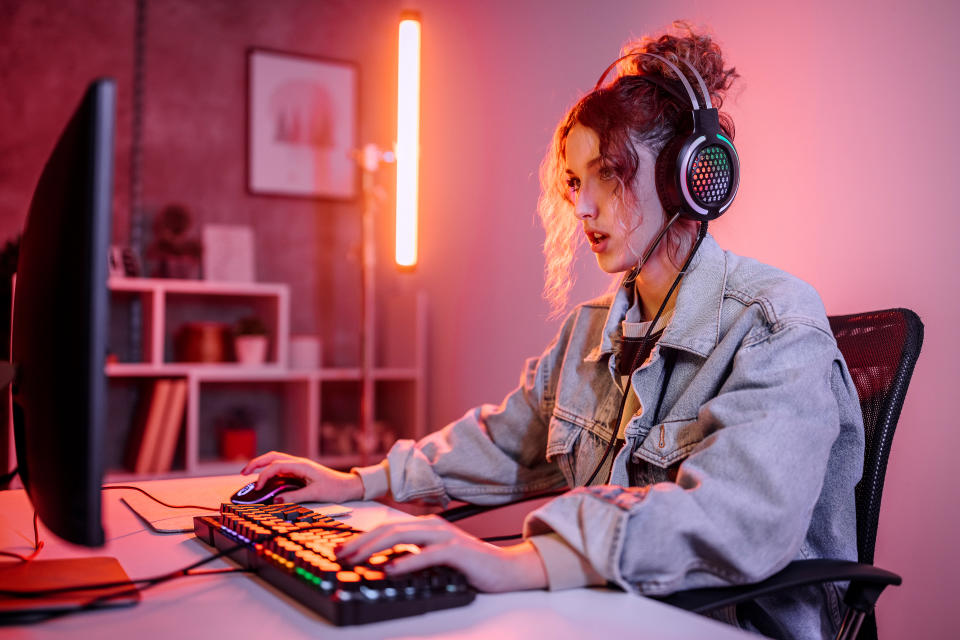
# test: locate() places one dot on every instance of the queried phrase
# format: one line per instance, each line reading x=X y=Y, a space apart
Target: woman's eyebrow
x=590 y=164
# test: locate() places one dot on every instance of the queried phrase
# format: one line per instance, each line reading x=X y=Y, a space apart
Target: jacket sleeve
x=492 y=455
x=742 y=501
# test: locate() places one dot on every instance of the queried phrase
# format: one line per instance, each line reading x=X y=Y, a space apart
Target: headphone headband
x=686 y=83
x=698 y=172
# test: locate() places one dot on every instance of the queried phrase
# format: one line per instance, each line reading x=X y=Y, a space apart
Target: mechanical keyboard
x=291 y=547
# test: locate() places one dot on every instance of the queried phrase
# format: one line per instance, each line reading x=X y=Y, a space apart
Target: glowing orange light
x=408 y=140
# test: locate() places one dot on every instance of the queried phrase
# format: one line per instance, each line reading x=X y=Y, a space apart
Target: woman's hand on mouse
x=487 y=567
x=323 y=483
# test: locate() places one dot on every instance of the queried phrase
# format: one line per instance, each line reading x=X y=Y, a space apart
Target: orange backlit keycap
x=378 y=559
x=409 y=548
x=347 y=576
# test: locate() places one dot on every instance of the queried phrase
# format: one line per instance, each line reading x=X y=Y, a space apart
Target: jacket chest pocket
x=575 y=449
x=658 y=457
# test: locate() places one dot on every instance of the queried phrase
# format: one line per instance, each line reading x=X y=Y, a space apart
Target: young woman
x=701 y=416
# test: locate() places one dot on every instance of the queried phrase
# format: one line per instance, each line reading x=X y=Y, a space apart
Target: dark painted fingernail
x=278 y=500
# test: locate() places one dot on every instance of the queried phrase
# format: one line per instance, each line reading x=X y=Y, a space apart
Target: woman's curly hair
x=625 y=113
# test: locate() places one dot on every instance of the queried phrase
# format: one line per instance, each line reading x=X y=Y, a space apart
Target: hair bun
x=681 y=43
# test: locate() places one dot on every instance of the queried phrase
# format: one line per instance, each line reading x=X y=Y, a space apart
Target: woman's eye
x=573 y=185
x=606 y=173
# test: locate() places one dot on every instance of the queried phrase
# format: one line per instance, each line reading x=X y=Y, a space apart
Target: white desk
x=229 y=606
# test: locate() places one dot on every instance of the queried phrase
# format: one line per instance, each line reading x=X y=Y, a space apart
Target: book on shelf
x=147 y=426
x=170 y=426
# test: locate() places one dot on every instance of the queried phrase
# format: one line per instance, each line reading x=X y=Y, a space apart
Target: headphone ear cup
x=666 y=178
x=697 y=176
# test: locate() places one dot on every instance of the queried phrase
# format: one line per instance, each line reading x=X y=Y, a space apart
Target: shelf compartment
x=282 y=412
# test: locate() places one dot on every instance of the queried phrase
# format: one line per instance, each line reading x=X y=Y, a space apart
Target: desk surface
x=242 y=606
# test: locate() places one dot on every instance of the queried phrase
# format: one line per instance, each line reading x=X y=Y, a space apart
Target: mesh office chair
x=881 y=348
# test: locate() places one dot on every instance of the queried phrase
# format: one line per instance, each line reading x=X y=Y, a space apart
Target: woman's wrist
x=530 y=572
x=355 y=488
x=374 y=480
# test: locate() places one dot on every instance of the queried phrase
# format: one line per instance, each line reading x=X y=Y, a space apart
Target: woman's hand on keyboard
x=487 y=567
x=323 y=484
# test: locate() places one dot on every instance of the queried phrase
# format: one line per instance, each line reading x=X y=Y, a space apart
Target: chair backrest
x=880 y=348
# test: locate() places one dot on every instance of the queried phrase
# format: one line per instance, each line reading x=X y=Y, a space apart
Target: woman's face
x=619 y=226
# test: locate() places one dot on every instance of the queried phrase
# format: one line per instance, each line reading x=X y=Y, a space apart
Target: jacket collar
x=696 y=317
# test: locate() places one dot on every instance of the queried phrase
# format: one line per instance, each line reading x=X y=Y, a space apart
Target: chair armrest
x=866 y=584
x=469 y=510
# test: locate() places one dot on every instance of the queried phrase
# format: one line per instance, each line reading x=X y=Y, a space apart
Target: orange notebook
x=147 y=428
x=42 y=575
x=170 y=426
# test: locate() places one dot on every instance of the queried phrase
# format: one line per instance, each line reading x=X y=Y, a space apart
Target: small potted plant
x=250 y=341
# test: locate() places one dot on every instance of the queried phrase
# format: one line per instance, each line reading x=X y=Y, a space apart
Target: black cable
x=465 y=511
x=148 y=582
x=37 y=544
x=32 y=617
x=97 y=602
x=632 y=275
x=40 y=593
x=701 y=234
x=468 y=510
x=158 y=500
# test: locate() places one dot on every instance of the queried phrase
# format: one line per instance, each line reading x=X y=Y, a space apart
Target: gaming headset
x=697 y=174
x=698 y=171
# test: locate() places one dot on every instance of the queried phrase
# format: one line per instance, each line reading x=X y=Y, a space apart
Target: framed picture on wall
x=302 y=126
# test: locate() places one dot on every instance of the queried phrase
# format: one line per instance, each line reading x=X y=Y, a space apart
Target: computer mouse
x=248 y=494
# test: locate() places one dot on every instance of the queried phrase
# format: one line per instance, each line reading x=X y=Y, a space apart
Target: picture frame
x=302 y=126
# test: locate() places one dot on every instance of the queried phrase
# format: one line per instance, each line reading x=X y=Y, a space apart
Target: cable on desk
x=96 y=603
x=150 y=582
x=158 y=500
x=515 y=536
x=37 y=545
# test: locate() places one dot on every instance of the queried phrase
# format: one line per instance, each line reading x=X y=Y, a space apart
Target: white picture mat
x=302 y=126
x=228 y=253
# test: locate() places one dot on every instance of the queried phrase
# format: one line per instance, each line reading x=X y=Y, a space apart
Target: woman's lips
x=598 y=241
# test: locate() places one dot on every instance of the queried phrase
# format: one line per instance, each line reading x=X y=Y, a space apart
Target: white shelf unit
x=303 y=390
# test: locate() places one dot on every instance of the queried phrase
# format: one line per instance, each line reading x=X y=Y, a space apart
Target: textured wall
x=194 y=140
x=49 y=52
x=195 y=144
x=844 y=121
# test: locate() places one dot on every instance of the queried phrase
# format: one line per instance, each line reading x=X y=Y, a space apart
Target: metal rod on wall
x=136 y=167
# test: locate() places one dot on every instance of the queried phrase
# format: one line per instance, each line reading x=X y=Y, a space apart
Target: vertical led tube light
x=408 y=139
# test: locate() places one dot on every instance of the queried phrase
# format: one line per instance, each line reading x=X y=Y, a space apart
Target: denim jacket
x=750 y=464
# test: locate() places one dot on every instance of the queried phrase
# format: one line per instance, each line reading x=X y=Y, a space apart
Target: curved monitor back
x=60 y=322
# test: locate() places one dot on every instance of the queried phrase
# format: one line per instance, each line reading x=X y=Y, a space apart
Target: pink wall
x=832 y=114
x=45 y=57
x=845 y=126
x=194 y=140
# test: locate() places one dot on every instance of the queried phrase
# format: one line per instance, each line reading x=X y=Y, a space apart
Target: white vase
x=250 y=349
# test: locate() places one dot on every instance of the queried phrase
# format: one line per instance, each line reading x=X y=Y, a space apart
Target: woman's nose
x=584 y=207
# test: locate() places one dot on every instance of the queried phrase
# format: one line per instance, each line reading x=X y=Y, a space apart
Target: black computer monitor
x=60 y=321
